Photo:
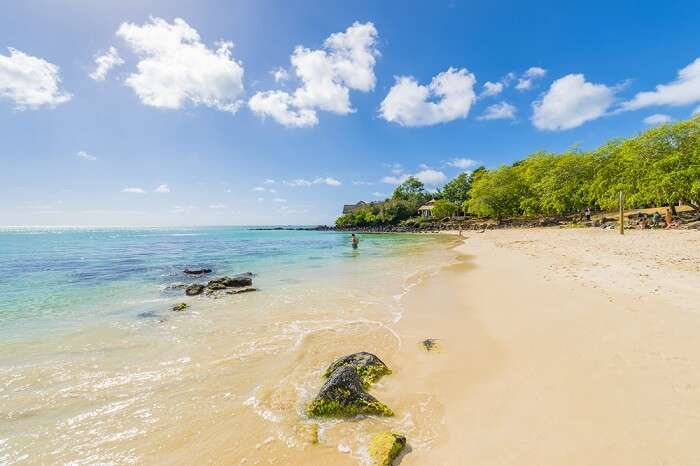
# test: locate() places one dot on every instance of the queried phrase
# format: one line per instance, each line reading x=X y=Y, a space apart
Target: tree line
x=660 y=166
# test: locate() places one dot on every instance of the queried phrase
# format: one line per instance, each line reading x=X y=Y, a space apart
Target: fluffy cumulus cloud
x=684 y=90
x=449 y=96
x=526 y=81
x=499 y=111
x=463 y=163
x=570 y=102
x=330 y=181
x=346 y=62
x=30 y=82
x=162 y=189
x=175 y=67
x=657 y=119
x=426 y=174
x=491 y=89
x=85 y=156
x=105 y=62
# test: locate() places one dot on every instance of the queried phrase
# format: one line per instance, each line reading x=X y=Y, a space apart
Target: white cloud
x=685 y=90
x=526 y=81
x=409 y=103
x=176 y=67
x=30 y=82
x=259 y=188
x=570 y=102
x=346 y=62
x=657 y=119
x=85 y=156
x=362 y=183
x=298 y=182
x=133 y=190
x=280 y=74
x=105 y=63
x=491 y=89
x=217 y=206
x=327 y=180
x=162 y=189
x=378 y=194
x=463 y=163
x=279 y=200
x=263 y=189
x=269 y=181
x=426 y=175
x=499 y=111
x=330 y=181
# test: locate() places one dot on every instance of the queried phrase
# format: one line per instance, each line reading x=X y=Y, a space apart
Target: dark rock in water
x=194 y=289
x=385 y=447
x=237 y=281
x=197 y=271
x=148 y=315
x=215 y=286
x=429 y=344
x=368 y=367
x=242 y=290
x=343 y=395
x=175 y=286
x=180 y=307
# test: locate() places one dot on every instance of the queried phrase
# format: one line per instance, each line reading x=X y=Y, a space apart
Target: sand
x=575 y=347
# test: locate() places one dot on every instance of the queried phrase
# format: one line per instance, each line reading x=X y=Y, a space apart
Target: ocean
x=95 y=367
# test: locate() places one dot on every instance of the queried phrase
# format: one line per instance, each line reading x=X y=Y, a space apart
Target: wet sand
x=573 y=347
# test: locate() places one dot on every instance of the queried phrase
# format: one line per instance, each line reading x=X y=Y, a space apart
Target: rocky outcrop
x=384 y=447
x=429 y=344
x=368 y=367
x=247 y=289
x=201 y=271
x=180 y=307
x=194 y=289
x=343 y=395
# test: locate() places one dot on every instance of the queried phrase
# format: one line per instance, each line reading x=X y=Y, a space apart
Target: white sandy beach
x=557 y=346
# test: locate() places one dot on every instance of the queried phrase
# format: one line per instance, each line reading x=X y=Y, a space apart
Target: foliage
x=443 y=209
x=658 y=167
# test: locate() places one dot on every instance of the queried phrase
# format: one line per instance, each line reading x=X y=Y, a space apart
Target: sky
x=124 y=112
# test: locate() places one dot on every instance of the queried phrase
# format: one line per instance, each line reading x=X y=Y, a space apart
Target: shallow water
x=95 y=368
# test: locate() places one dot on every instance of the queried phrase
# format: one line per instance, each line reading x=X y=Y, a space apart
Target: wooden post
x=622 y=213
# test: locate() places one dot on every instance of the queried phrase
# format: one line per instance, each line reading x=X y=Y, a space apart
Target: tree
x=497 y=193
x=444 y=209
x=411 y=189
x=457 y=190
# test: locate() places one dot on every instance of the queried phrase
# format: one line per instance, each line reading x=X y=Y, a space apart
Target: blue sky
x=191 y=126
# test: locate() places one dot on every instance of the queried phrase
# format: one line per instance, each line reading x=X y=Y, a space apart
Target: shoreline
x=555 y=347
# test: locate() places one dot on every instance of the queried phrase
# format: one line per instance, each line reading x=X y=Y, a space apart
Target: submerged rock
x=429 y=344
x=194 y=289
x=242 y=290
x=215 y=286
x=343 y=395
x=385 y=447
x=197 y=271
x=368 y=367
x=180 y=307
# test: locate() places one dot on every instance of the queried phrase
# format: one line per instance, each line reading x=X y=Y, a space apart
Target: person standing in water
x=355 y=241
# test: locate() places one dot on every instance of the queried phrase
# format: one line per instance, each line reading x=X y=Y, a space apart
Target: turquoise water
x=52 y=279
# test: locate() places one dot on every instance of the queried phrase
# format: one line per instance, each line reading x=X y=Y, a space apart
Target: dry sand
x=559 y=347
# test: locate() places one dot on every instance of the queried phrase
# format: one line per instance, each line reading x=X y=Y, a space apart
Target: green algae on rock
x=343 y=395
x=385 y=447
x=180 y=307
x=368 y=367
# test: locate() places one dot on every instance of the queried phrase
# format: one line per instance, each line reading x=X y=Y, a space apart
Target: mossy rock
x=180 y=307
x=429 y=344
x=343 y=395
x=194 y=289
x=215 y=286
x=384 y=447
x=368 y=367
